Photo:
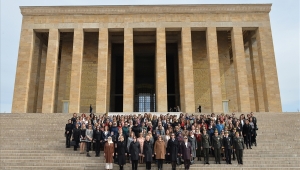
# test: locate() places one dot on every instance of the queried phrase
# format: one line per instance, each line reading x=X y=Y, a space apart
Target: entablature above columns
x=145 y=9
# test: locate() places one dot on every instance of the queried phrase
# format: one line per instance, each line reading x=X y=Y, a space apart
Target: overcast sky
x=285 y=28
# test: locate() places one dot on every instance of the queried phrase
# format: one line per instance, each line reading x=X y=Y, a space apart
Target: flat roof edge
x=145 y=9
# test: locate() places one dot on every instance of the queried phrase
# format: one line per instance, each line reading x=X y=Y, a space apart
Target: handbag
x=72 y=143
x=178 y=160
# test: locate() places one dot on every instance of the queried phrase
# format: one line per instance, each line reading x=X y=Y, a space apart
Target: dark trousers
x=88 y=146
x=76 y=144
x=217 y=152
x=134 y=164
x=228 y=155
x=121 y=167
x=68 y=137
x=233 y=153
x=247 y=140
x=239 y=155
x=160 y=163
x=173 y=165
x=206 y=155
x=97 y=147
x=148 y=165
x=187 y=163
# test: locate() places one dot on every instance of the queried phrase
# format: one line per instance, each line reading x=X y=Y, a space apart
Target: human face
x=172 y=136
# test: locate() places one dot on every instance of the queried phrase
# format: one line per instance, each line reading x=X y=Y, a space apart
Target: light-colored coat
x=160 y=149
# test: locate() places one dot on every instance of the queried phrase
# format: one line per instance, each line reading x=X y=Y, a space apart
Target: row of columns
x=186 y=79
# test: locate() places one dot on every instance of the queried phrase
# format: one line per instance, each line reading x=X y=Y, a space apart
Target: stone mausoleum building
x=146 y=59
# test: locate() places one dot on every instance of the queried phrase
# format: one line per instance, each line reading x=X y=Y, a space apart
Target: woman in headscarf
x=109 y=150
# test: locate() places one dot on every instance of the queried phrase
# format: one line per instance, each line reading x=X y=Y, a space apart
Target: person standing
x=216 y=146
x=205 y=145
x=68 y=132
x=121 y=152
x=227 y=144
x=109 y=150
x=198 y=140
x=186 y=152
x=82 y=138
x=247 y=132
x=134 y=153
x=238 y=147
x=76 y=136
x=98 y=139
x=91 y=109
x=194 y=145
x=89 y=138
x=173 y=150
x=148 y=152
x=232 y=136
x=159 y=152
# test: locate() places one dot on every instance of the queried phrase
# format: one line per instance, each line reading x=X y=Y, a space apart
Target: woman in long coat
x=173 y=150
x=109 y=150
x=160 y=152
x=186 y=152
x=121 y=152
x=134 y=153
x=194 y=145
x=148 y=152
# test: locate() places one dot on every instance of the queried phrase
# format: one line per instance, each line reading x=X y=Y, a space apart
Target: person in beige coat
x=160 y=152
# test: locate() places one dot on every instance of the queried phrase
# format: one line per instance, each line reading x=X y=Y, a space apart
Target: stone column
x=128 y=82
x=214 y=70
x=161 y=71
x=187 y=67
x=51 y=71
x=269 y=76
x=238 y=52
x=256 y=76
x=76 y=70
x=102 y=76
x=20 y=97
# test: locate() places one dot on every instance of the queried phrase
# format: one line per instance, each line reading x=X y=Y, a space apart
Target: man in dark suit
x=172 y=150
x=227 y=143
x=205 y=145
x=216 y=146
x=238 y=147
x=186 y=152
x=247 y=132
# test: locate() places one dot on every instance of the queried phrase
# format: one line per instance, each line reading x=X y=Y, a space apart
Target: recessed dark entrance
x=144 y=77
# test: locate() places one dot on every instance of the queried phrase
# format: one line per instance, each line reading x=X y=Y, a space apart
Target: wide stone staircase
x=36 y=141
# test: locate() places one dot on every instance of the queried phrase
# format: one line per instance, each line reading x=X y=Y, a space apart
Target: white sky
x=285 y=28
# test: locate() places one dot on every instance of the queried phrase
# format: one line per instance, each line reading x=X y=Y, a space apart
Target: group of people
x=162 y=139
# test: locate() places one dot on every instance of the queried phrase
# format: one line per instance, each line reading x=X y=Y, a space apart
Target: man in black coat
x=148 y=152
x=68 y=132
x=247 y=132
x=227 y=144
x=76 y=136
x=172 y=150
x=134 y=153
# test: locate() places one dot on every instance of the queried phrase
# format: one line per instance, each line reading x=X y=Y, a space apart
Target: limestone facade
x=226 y=59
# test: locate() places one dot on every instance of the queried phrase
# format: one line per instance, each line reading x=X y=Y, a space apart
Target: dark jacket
x=186 y=151
x=227 y=142
x=69 y=128
x=97 y=135
x=216 y=142
x=137 y=130
x=105 y=136
x=121 y=150
x=238 y=143
x=76 y=134
x=205 y=141
x=134 y=150
x=173 y=149
x=247 y=129
x=148 y=151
